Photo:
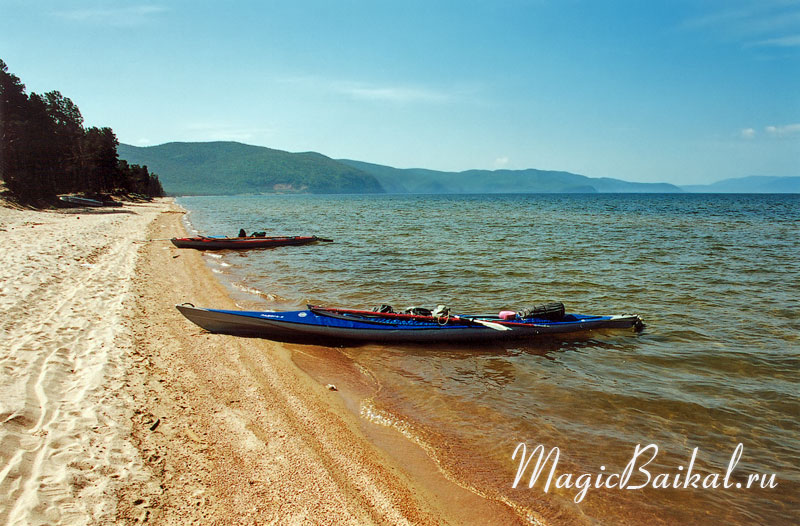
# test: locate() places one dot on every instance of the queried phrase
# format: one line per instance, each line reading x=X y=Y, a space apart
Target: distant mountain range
x=223 y=168
x=755 y=184
x=226 y=168
x=421 y=181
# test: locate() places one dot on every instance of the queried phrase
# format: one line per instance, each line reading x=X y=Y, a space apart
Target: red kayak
x=239 y=243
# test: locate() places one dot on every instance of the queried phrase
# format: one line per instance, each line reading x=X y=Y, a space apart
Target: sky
x=681 y=91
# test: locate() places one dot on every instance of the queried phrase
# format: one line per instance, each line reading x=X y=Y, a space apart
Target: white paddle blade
x=492 y=325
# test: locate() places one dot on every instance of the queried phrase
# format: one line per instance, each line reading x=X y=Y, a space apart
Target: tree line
x=46 y=151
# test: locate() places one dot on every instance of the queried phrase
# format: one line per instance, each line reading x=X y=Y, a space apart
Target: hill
x=418 y=180
x=755 y=184
x=233 y=168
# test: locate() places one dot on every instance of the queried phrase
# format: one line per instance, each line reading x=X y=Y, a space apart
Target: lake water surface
x=715 y=278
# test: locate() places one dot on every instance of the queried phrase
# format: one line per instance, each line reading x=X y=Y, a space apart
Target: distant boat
x=242 y=243
x=74 y=200
x=360 y=325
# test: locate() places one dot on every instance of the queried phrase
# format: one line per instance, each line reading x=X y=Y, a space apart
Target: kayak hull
x=240 y=243
x=76 y=201
x=310 y=324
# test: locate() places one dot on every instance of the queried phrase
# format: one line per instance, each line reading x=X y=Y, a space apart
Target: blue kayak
x=333 y=324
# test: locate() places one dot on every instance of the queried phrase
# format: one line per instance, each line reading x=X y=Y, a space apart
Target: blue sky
x=685 y=91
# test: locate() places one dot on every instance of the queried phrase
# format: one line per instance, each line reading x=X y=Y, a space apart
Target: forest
x=45 y=150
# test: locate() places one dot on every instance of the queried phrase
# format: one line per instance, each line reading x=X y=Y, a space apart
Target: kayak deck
x=344 y=325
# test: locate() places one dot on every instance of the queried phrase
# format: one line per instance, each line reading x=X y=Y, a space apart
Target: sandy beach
x=65 y=445
x=115 y=409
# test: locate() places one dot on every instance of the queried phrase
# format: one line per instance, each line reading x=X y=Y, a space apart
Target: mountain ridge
x=227 y=167
x=531 y=180
x=753 y=184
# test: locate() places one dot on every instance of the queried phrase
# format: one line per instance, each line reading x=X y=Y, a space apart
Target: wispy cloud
x=364 y=91
x=747 y=133
x=790 y=41
x=775 y=132
x=223 y=132
x=501 y=162
x=762 y=23
x=116 y=16
x=398 y=94
x=787 y=130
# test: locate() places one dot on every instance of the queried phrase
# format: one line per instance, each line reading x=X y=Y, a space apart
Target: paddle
x=477 y=321
x=149 y=240
x=490 y=324
x=443 y=312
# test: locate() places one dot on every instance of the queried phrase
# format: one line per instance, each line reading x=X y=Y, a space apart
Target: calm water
x=715 y=277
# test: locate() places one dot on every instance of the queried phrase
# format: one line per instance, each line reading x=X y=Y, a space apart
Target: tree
x=45 y=149
x=101 y=161
x=138 y=180
x=13 y=116
x=67 y=138
x=64 y=112
x=28 y=158
x=40 y=153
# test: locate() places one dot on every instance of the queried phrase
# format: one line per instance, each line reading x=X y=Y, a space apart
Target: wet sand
x=114 y=408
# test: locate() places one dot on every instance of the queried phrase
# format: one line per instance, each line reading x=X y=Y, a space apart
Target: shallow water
x=715 y=277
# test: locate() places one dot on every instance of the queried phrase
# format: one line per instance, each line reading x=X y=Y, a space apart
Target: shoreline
x=260 y=423
x=170 y=424
x=241 y=436
x=114 y=408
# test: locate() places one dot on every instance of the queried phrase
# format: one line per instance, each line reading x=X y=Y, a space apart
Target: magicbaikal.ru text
x=635 y=475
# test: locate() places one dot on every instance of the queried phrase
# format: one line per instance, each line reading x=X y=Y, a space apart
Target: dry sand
x=115 y=409
x=64 y=434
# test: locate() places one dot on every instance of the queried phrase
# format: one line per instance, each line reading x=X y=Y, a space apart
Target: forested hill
x=208 y=168
x=219 y=168
x=234 y=168
x=418 y=180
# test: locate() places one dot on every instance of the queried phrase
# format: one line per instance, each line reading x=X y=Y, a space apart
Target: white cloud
x=116 y=16
x=202 y=131
x=397 y=93
x=790 y=41
x=501 y=162
x=747 y=133
x=786 y=130
x=763 y=23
